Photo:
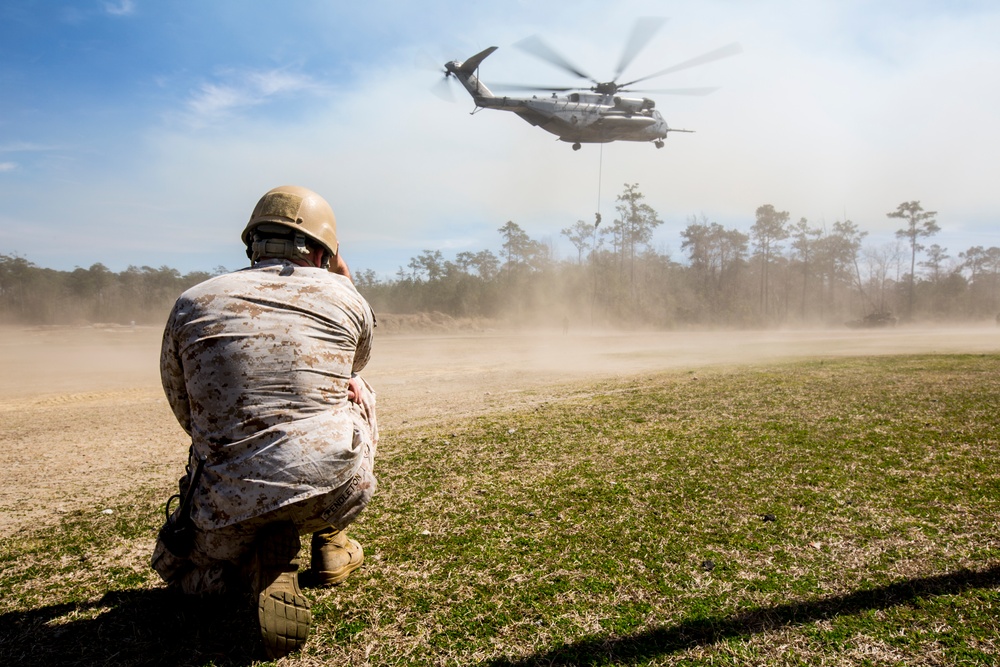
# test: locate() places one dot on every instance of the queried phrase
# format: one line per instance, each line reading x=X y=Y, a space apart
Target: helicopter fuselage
x=577 y=118
x=586 y=118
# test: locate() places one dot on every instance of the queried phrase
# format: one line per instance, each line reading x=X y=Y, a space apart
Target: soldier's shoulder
x=214 y=286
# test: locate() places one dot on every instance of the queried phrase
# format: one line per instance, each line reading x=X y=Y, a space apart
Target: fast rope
x=597 y=222
x=600 y=169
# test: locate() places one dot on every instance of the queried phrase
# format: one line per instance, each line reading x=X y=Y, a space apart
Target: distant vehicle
x=877 y=320
x=595 y=113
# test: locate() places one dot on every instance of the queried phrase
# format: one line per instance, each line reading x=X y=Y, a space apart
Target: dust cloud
x=420 y=377
x=85 y=420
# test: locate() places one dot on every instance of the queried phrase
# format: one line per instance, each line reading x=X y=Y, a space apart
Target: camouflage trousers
x=218 y=562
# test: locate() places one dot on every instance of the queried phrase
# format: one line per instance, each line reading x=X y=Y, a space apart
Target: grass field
x=841 y=512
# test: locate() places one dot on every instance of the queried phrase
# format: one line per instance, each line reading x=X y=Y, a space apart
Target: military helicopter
x=594 y=114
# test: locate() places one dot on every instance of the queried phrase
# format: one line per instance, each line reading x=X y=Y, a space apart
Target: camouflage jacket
x=255 y=365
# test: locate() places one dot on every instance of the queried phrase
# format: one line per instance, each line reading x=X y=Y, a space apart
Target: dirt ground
x=83 y=418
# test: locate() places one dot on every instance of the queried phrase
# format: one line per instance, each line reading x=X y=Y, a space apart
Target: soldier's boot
x=282 y=611
x=334 y=556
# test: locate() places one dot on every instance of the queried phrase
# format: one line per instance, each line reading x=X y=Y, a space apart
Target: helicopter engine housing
x=633 y=105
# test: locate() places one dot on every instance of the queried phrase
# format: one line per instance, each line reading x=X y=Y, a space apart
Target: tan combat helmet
x=284 y=219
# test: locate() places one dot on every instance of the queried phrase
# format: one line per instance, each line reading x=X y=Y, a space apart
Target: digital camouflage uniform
x=255 y=365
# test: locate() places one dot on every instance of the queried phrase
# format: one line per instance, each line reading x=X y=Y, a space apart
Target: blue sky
x=139 y=133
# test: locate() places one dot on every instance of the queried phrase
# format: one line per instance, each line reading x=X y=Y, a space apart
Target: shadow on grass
x=649 y=644
x=133 y=627
x=158 y=627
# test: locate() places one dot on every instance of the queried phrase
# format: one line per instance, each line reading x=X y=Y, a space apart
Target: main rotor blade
x=517 y=86
x=643 y=31
x=538 y=48
x=717 y=54
x=675 y=91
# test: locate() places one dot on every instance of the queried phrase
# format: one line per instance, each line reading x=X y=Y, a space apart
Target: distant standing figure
x=260 y=368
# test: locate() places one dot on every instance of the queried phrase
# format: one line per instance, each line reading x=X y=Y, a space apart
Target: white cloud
x=242 y=90
x=276 y=81
x=120 y=8
x=7 y=166
x=213 y=100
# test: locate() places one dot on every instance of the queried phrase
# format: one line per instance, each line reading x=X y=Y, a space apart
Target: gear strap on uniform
x=177 y=533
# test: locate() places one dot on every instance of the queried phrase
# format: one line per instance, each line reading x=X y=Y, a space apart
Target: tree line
x=778 y=273
x=142 y=295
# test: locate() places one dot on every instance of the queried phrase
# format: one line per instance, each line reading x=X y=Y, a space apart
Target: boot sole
x=285 y=618
x=282 y=611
